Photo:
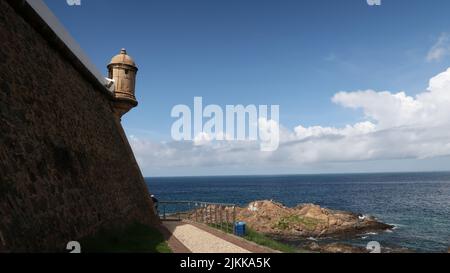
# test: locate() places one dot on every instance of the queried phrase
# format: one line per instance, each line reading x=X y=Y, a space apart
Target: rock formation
x=306 y=220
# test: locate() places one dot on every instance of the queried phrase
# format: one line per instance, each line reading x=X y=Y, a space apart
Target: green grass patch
x=137 y=238
x=258 y=238
x=292 y=220
x=263 y=240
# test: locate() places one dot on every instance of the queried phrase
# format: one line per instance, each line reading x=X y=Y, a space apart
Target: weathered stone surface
x=336 y=248
x=346 y=248
x=66 y=168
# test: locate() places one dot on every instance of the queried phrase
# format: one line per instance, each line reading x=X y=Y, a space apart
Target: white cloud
x=440 y=49
x=349 y=130
x=397 y=126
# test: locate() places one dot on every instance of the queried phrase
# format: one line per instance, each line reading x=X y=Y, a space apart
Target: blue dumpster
x=239 y=229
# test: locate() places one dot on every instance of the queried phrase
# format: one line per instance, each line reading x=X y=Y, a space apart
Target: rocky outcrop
x=346 y=248
x=294 y=226
x=305 y=220
x=335 y=248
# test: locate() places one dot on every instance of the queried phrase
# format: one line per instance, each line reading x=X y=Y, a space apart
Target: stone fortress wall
x=66 y=167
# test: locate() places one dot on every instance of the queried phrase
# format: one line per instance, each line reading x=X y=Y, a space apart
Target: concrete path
x=198 y=240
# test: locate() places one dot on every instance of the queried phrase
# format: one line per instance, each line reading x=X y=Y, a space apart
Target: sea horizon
x=300 y=174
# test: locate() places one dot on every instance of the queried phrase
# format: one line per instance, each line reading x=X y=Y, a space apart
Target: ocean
x=418 y=204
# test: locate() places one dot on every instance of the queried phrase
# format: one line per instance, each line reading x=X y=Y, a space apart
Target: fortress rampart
x=66 y=167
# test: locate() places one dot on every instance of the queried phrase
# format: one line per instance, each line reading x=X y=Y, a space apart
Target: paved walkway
x=197 y=240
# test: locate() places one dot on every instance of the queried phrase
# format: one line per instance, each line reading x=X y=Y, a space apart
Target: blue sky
x=296 y=54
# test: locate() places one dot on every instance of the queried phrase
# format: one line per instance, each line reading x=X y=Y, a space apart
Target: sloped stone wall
x=66 y=168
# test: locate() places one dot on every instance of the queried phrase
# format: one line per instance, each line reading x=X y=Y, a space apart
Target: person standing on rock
x=155 y=204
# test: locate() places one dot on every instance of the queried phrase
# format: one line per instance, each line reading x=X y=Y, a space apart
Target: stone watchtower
x=122 y=69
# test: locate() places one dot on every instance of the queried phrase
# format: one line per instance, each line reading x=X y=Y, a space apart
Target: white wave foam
x=370 y=234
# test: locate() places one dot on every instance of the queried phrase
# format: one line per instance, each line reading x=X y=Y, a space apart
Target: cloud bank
x=395 y=126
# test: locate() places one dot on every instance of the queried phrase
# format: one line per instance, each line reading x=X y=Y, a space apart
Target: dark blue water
x=417 y=203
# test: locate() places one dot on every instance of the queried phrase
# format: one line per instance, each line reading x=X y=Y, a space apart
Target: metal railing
x=218 y=215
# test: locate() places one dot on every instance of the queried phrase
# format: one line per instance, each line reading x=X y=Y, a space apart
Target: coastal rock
x=336 y=248
x=307 y=220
